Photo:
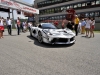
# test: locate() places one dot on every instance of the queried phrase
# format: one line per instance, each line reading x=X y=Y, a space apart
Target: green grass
x=97 y=31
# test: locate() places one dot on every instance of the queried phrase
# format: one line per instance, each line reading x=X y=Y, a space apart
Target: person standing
x=83 y=23
x=87 y=27
x=64 y=23
x=24 y=26
x=29 y=25
x=92 y=27
x=79 y=27
x=72 y=22
x=76 y=22
x=69 y=25
x=9 y=26
x=1 y=27
x=18 y=25
x=56 y=23
x=21 y=27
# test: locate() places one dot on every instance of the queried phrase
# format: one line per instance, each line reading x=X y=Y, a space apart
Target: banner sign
x=18 y=6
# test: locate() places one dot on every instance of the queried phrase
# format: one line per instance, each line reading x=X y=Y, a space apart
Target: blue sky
x=29 y=1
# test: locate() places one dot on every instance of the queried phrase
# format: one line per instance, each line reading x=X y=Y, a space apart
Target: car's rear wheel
x=40 y=39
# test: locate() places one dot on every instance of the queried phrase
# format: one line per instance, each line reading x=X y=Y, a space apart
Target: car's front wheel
x=40 y=39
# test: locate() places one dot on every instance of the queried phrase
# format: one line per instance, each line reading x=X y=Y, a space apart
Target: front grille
x=62 y=40
x=59 y=40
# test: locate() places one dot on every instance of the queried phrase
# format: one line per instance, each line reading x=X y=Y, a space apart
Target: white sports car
x=48 y=33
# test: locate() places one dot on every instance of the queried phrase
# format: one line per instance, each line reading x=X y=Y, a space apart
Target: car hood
x=59 y=31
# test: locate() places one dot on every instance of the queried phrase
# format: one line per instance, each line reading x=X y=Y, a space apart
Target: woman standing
x=1 y=27
x=87 y=27
x=92 y=27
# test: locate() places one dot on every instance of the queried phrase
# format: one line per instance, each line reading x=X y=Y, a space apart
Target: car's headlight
x=49 y=33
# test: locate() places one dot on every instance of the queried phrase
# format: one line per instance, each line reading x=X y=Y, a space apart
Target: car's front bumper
x=62 y=40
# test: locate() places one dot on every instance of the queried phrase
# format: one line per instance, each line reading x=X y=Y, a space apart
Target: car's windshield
x=48 y=26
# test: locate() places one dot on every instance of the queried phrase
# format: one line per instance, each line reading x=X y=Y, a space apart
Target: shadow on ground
x=10 y=35
x=35 y=42
x=85 y=37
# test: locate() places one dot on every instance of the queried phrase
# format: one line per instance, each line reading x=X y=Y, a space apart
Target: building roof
x=23 y=2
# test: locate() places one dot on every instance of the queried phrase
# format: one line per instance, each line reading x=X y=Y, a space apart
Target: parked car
x=48 y=33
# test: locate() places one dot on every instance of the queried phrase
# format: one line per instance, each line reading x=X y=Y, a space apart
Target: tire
x=40 y=39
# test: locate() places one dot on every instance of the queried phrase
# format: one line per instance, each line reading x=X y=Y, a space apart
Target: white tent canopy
x=18 y=6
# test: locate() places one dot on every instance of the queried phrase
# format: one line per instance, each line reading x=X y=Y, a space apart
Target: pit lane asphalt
x=23 y=55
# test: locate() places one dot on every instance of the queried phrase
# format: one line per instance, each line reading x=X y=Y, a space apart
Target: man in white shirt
x=9 y=25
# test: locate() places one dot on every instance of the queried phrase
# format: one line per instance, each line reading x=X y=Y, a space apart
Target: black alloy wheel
x=40 y=39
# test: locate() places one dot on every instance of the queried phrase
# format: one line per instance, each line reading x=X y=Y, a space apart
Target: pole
x=13 y=18
x=9 y=14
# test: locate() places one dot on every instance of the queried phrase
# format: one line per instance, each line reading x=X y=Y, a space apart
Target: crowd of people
x=20 y=26
x=84 y=26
